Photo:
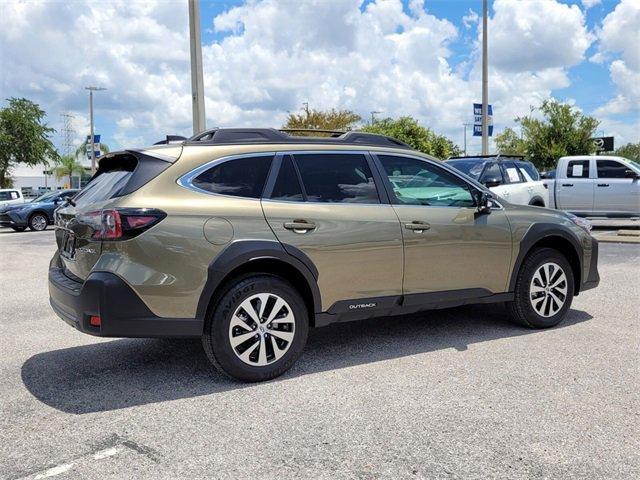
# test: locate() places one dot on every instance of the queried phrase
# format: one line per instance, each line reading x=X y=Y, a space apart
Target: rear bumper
x=593 y=278
x=122 y=312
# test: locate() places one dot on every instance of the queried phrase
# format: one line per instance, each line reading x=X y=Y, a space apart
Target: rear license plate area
x=68 y=249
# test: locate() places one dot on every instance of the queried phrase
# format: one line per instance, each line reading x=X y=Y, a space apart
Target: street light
x=373 y=116
x=93 y=152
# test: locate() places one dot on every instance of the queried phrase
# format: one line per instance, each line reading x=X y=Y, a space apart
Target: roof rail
x=495 y=156
x=232 y=136
x=171 y=139
x=332 y=133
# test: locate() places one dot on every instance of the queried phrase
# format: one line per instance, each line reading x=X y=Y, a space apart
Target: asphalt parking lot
x=457 y=393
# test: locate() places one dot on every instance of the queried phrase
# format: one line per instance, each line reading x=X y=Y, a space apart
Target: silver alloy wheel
x=262 y=329
x=39 y=222
x=548 y=289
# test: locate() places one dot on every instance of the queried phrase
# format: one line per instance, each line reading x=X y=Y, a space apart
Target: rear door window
x=578 y=169
x=511 y=173
x=337 y=178
x=528 y=171
x=239 y=177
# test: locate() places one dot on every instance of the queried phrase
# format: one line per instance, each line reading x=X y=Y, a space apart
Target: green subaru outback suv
x=249 y=237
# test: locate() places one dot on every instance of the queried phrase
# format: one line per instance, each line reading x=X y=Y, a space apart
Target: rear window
x=239 y=177
x=9 y=195
x=120 y=174
x=578 y=169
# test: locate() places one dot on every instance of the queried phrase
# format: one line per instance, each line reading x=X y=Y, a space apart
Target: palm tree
x=81 y=151
x=67 y=166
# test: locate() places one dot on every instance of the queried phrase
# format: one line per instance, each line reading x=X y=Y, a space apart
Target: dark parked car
x=36 y=214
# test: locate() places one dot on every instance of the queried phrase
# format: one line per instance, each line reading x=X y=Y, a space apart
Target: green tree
x=562 y=130
x=24 y=137
x=323 y=120
x=408 y=130
x=67 y=166
x=630 y=151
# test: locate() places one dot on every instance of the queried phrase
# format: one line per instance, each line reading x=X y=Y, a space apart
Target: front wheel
x=544 y=289
x=257 y=330
x=38 y=222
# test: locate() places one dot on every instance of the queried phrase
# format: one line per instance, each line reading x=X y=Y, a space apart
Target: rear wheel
x=257 y=330
x=544 y=289
x=38 y=222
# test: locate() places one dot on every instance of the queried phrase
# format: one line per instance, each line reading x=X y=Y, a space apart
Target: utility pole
x=465 y=137
x=485 y=83
x=305 y=107
x=373 y=116
x=93 y=152
x=197 y=80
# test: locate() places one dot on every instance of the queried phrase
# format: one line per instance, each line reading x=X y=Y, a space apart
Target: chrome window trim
x=186 y=180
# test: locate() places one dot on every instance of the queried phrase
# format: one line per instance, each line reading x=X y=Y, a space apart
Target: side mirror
x=485 y=202
x=631 y=174
x=492 y=182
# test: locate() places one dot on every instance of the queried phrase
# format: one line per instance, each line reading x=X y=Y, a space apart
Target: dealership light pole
x=93 y=152
x=197 y=81
x=485 y=83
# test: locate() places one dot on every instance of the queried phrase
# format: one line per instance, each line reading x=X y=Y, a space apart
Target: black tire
x=38 y=222
x=19 y=229
x=521 y=308
x=215 y=338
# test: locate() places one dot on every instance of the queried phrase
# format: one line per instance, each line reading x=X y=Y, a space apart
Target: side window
x=578 y=169
x=337 y=178
x=492 y=174
x=511 y=173
x=611 y=169
x=417 y=182
x=240 y=177
x=528 y=171
x=287 y=187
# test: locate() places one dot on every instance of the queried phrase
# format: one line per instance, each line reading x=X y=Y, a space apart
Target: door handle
x=567 y=184
x=603 y=184
x=300 y=226
x=417 y=226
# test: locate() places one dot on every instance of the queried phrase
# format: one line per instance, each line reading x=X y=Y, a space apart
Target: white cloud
x=537 y=34
x=620 y=35
x=470 y=19
x=587 y=4
x=276 y=54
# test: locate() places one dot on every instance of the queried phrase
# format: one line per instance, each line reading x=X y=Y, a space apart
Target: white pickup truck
x=596 y=186
x=509 y=176
x=10 y=196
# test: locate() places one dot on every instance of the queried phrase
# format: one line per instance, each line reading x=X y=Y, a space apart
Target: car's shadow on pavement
x=128 y=372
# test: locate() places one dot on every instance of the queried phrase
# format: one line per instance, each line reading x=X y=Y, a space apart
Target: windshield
x=46 y=197
x=471 y=167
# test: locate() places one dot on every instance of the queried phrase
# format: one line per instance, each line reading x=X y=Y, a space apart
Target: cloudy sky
x=263 y=58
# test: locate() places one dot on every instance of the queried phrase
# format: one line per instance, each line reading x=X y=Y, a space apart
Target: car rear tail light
x=124 y=223
x=95 y=321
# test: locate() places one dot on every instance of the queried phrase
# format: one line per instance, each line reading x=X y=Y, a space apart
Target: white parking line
x=53 y=471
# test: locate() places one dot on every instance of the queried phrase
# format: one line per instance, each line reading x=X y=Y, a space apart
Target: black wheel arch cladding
x=241 y=252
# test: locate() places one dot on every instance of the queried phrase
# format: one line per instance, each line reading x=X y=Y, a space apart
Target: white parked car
x=510 y=177
x=10 y=196
x=596 y=186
